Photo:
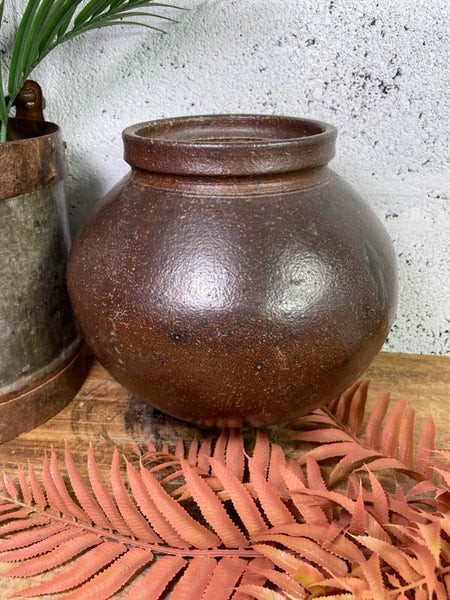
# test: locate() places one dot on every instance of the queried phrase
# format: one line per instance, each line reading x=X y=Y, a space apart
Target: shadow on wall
x=84 y=191
x=84 y=187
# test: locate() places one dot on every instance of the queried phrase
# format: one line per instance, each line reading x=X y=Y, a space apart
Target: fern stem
x=340 y=425
x=182 y=552
x=416 y=584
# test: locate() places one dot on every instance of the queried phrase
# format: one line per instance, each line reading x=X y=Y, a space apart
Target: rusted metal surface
x=40 y=363
x=32 y=159
x=43 y=398
x=232 y=278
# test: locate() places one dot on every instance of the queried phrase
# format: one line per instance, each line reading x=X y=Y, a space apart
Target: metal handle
x=30 y=102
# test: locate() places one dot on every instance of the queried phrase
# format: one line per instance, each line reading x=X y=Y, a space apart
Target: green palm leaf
x=46 y=24
x=3 y=109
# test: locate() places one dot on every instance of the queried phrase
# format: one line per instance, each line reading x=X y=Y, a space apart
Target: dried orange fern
x=224 y=519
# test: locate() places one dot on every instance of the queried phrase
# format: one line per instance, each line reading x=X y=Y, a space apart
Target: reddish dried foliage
x=220 y=521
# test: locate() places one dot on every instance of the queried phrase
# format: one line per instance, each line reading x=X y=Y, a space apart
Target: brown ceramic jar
x=232 y=278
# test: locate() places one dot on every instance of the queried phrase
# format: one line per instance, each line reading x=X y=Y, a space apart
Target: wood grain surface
x=105 y=415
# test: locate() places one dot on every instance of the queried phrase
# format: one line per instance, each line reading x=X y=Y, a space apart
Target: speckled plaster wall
x=377 y=69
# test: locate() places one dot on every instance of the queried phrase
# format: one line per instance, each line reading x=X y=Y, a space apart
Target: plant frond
x=216 y=520
x=342 y=443
x=46 y=24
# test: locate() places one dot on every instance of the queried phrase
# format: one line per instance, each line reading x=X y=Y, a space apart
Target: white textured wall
x=377 y=69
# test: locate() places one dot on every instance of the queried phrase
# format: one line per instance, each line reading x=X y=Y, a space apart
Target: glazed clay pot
x=231 y=278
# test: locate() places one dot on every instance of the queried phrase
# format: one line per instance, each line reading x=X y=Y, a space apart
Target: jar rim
x=34 y=159
x=229 y=144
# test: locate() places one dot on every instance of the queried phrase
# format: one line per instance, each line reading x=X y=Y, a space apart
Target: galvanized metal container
x=41 y=361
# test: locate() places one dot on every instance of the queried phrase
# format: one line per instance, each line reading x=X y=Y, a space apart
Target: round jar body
x=238 y=299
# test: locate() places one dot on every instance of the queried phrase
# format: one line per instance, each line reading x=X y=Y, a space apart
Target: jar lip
x=229 y=144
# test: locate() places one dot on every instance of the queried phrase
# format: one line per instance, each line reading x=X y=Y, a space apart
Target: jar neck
x=243 y=185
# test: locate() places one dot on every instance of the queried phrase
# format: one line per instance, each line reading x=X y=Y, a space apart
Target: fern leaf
x=193 y=452
x=36 y=490
x=53 y=498
x=326 y=451
x=380 y=464
x=345 y=548
x=286 y=561
x=10 y=487
x=286 y=583
x=380 y=503
x=276 y=465
x=343 y=407
x=63 y=553
x=179 y=448
x=40 y=547
x=349 y=461
x=252 y=577
x=213 y=510
x=195 y=579
x=338 y=597
x=397 y=560
x=314 y=475
x=425 y=449
x=241 y=499
x=17 y=513
x=428 y=565
x=24 y=487
x=152 y=586
x=203 y=454
x=275 y=510
x=114 y=577
x=220 y=446
x=84 y=568
x=133 y=518
x=391 y=431
x=27 y=538
x=261 y=452
x=7 y=507
x=372 y=571
x=190 y=530
x=71 y=507
x=103 y=497
x=357 y=408
x=90 y=507
x=293 y=466
x=302 y=571
x=377 y=414
x=322 y=436
x=309 y=510
x=358 y=522
x=235 y=457
x=431 y=533
x=261 y=593
x=224 y=578
x=20 y=526
x=160 y=525
x=312 y=551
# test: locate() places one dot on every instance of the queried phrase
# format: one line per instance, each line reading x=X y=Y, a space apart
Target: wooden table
x=104 y=414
